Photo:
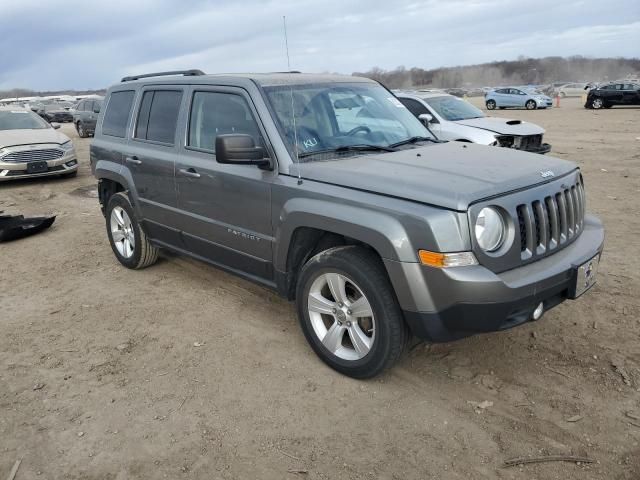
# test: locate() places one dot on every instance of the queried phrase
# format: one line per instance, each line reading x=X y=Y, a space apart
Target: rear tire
x=128 y=241
x=337 y=326
x=82 y=133
x=491 y=104
x=531 y=105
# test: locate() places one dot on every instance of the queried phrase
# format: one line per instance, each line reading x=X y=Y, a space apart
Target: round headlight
x=490 y=229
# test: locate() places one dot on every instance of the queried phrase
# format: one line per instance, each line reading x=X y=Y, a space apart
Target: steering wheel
x=358 y=129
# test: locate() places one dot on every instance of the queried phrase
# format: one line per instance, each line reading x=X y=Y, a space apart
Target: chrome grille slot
x=25 y=156
x=552 y=221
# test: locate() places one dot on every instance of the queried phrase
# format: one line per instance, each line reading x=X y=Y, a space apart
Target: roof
x=418 y=94
x=263 y=79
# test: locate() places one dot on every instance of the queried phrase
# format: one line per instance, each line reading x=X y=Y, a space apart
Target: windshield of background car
x=453 y=108
x=20 y=119
x=334 y=115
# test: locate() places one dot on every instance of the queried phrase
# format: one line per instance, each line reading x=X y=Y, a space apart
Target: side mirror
x=239 y=149
x=55 y=125
x=96 y=110
x=426 y=118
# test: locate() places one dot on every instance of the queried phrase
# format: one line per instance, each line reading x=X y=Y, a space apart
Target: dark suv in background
x=328 y=190
x=85 y=115
x=615 y=93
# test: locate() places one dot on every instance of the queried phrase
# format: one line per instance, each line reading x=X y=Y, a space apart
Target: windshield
x=336 y=116
x=453 y=108
x=20 y=119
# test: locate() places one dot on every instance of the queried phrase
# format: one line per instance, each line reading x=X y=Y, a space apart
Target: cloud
x=79 y=44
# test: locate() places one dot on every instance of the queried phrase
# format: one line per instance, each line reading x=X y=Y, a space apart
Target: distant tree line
x=515 y=72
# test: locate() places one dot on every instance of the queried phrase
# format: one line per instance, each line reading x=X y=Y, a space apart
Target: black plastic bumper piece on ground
x=13 y=227
x=466 y=319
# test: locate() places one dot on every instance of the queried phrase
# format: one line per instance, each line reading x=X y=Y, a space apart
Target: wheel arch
x=305 y=232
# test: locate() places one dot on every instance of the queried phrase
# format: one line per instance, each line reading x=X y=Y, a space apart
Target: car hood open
x=12 y=138
x=503 y=126
x=452 y=175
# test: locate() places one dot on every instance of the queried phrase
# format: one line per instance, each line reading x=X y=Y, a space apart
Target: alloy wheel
x=597 y=103
x=341 y=316
x=122 y=232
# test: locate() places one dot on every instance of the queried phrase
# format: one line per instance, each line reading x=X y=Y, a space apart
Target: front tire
x=597 y=103
x=531 y=105
x=349 y=313
x=491 y=104
x=128 y=241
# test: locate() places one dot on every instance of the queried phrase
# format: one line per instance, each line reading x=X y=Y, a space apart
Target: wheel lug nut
x=349 y=312
x=333 y=310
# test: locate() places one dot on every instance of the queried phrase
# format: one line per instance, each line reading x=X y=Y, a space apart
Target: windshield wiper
x=350 y=148
x=414 y=140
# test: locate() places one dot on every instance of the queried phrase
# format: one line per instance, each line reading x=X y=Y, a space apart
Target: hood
x=11 y=138
x=452 y=175
x=503 y=126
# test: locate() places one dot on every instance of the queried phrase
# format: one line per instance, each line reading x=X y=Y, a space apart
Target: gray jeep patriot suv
x=328 y=190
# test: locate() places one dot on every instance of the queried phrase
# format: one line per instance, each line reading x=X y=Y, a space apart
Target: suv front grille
x=550 y=222
x=25 y=156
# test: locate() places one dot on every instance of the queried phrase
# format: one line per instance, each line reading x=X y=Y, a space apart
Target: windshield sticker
x=310 y=142
x=396 y=102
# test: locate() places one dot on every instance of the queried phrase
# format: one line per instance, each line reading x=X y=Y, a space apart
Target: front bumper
x=445 y=304
x=60 y=166
x=542 y=149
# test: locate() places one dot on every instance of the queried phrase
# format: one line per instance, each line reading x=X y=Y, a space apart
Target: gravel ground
x=101 y=378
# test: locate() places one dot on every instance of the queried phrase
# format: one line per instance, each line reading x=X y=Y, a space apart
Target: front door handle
x=189 y=172
x=133 y=160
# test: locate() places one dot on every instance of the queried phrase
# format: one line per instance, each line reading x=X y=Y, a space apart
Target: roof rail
x=186 y=73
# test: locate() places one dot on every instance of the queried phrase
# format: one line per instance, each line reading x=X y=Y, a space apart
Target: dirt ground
x=101 y=378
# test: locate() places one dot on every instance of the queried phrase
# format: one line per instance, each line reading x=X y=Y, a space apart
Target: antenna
x=293 y=110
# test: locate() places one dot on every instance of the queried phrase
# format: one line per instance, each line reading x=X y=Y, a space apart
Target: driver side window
x=214 y=114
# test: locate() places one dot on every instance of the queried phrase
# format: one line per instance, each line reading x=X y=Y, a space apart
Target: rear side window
x=117 y=115
x=158 y=116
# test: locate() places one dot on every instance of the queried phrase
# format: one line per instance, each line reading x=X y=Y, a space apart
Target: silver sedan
x=455 y=119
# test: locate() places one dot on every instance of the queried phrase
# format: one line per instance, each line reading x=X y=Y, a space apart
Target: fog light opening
x=537 y=313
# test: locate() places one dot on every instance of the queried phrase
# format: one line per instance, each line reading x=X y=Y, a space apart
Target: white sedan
x=455 y=119
x=31 y=147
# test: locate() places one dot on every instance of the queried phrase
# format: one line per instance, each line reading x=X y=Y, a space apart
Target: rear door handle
x=134 y=160
x=189 y=172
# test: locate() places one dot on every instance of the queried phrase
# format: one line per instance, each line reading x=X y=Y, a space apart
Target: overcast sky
x=86 y=44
